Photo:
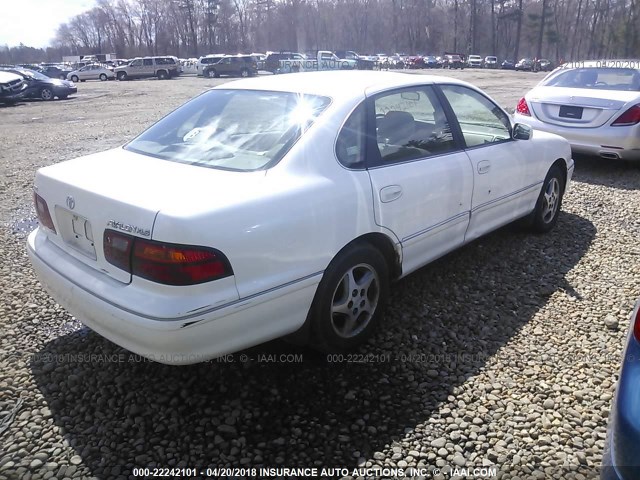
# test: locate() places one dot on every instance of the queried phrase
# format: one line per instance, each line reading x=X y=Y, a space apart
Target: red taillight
x=636 y=325
x=630 y=117
x=522 y=108
x=44 y=217
x=165 y=263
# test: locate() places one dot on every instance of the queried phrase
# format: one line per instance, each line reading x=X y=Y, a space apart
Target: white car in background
x=91 y=72
x=595 y=105
x=474 y=61
x=284 y=204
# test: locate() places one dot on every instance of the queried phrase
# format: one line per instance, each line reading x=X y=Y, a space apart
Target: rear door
x=148 y=67
x=421 y=179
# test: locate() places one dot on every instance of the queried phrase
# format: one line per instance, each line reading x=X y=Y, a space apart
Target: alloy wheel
x=550 y=200
x=355 y=300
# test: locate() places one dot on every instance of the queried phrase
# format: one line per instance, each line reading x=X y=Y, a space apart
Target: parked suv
x=237 y=65
x=454 y=61
x=474 y=61
x=206 y=61
x=161 y=67
x=490 y=61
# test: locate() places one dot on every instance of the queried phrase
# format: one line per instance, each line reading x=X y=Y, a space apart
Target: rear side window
x=411 y=124
x=350 y=146
x=148 y=61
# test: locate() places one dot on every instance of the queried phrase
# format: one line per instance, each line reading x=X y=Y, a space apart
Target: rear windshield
x=240 y=130
x=627 y=79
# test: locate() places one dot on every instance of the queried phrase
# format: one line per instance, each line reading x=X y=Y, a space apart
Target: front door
x=502 y=185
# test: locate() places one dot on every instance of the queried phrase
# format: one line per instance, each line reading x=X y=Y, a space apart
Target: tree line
x=555 y=29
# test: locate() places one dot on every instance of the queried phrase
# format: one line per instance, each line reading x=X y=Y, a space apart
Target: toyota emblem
x=71 y=203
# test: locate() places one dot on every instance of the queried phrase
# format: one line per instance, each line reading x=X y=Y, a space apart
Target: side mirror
x=521 y=132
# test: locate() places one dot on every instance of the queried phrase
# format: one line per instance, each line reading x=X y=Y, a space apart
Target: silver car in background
x=91 y=72
x=595 y=105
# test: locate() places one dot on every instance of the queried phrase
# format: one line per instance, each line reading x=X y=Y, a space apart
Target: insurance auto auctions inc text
x=389 y=472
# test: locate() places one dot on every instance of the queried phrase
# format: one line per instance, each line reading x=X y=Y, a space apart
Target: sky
x=34 y=22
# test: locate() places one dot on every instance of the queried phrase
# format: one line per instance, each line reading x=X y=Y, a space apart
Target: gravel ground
x=503 y=353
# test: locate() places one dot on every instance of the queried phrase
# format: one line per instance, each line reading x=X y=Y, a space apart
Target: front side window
x=481 y=120
x=411 y=124
x=136 y=63
x=240 y=130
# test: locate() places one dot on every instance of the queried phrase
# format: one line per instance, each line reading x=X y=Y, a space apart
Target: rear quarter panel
x=293 y=223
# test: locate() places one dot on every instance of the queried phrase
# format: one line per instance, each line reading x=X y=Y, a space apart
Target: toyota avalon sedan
x=595 y=105
x=275 y=205
x=622 y=450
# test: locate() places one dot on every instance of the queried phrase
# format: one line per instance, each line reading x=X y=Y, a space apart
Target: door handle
x=484 y=166
x=390 y=193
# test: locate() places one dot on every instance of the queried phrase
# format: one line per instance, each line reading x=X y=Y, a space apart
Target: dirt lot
x=502 y=354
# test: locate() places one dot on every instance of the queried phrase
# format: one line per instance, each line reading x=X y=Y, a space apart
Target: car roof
x=338 y=83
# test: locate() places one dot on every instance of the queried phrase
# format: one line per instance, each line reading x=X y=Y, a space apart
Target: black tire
x=211 y=73
x=122 y=76
x=334 y=330
x=244 y=73
x=46 y=94
x=545 y=215
x=74 y=78
x=162 y=75
x=103 y=77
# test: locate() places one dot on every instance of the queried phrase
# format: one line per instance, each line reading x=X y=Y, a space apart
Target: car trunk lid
x=124 y=191
x=573 y=107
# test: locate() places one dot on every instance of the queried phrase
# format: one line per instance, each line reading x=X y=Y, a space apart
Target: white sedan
x=275 y=205
x=91 y=72
x=595 y=105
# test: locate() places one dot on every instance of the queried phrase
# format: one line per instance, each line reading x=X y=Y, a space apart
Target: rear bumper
x=594 y=141
x=185 y=340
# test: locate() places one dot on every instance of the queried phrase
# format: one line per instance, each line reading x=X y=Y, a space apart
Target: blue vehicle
x=621 y=460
